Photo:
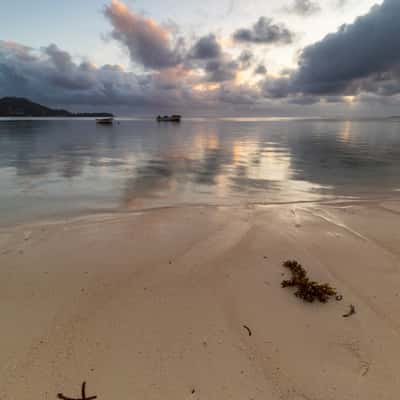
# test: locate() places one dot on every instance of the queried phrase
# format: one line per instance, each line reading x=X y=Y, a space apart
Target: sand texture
x=152 y=305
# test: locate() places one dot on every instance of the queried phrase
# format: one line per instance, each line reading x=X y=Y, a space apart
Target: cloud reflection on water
x=68 y=164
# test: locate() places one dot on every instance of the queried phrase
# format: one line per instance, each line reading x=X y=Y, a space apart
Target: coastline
x=152 y=303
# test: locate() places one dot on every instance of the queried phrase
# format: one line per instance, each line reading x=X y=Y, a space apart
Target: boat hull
x=173 y=118
x=104 y=121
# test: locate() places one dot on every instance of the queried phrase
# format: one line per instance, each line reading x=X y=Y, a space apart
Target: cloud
x=19 y=51
x=64 y=73
x=152 y=46
x=341 y=3
x=207 y=59
x=60 y=58
x=202 y=75
x=368 y=47
x=362 y=56
x=231 y=7
x=304 y=7
x=264 y=31
x=238 y=95
x=221 y=70
x=361 y=59
x=304 y=100
x=206 y=47
x=148 y=43
x=276 y=87
x=245 y=59
x=260 y=70
x=51 y=76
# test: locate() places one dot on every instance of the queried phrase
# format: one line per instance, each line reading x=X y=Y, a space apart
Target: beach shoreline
x=152 y=303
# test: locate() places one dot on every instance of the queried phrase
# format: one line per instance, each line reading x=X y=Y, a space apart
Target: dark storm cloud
x=260 y=70
x=50 y=75
x=148 y=43
x=206 y=47
x=245 y=59
x=371 y=45
x=60 y=58
x=207 y=56
x=64 y=73
x=264 y=31
x=303 y=7
x=24 y=70
x=276 y=87
x=362 y=56
x=221 y=70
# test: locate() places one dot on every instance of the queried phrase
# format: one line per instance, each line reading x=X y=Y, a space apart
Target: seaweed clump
x=306 y=289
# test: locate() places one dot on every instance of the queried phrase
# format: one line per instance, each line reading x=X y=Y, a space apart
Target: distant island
x=21 y=107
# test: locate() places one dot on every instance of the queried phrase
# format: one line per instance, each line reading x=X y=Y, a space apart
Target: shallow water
x=63 y=167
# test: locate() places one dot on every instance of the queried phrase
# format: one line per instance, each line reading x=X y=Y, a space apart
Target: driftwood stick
x=351 y=312
x=247 y=329
x=62 y=397
x=83 y=392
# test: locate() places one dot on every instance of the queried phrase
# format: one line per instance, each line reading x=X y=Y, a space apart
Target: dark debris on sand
x=351 y=312
x=306 y=289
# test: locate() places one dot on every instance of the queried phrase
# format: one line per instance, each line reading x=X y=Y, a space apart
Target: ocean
x=66 y=167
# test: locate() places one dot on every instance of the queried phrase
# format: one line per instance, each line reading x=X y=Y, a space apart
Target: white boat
x=169 y=118
x=105 y=121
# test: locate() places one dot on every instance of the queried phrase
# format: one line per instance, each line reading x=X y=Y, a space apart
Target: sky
x=231 y=57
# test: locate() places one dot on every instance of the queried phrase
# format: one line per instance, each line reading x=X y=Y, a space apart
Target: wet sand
x=152 y=305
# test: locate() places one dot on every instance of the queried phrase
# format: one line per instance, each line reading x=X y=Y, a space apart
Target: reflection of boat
x=167 y=118
x=105 y=121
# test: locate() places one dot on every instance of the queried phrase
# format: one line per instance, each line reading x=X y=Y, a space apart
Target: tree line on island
x=21 y=107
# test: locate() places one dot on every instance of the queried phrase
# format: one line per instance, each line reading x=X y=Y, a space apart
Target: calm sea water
x=63 y=167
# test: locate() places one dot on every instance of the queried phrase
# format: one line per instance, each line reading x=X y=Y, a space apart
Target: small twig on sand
x=351 y=312
x=83 y=392
x=247 y=329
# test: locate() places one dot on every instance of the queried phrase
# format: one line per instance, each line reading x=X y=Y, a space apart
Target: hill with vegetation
x=21 y=107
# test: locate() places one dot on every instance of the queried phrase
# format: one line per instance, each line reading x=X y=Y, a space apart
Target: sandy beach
x=200 y=200
x=152 y=304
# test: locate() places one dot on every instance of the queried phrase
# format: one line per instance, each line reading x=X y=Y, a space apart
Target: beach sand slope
x=152 y=305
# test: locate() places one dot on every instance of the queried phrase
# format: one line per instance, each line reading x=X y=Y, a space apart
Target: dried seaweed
x=306 y=289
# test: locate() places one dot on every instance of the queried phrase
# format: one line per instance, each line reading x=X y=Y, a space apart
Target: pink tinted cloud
x=148 y=43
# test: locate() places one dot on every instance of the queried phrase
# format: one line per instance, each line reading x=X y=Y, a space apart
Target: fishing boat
x=169 y=118
x=105 y=121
